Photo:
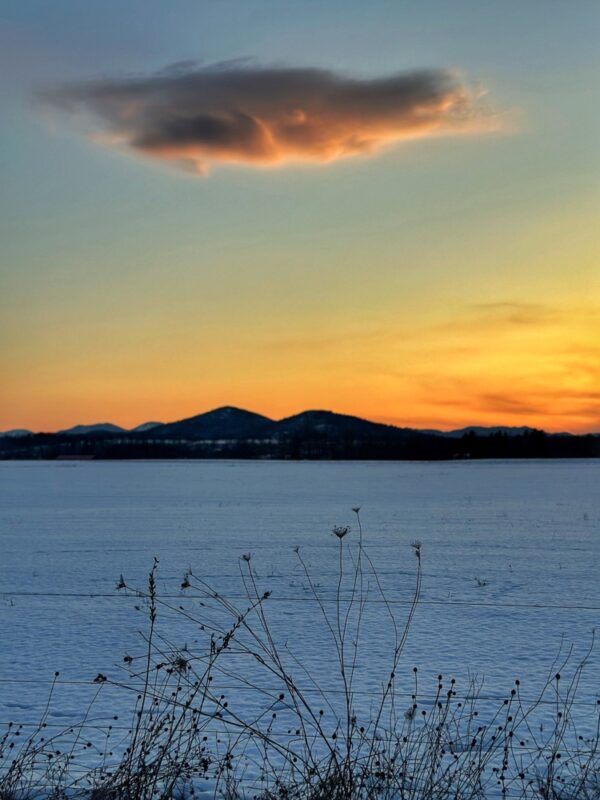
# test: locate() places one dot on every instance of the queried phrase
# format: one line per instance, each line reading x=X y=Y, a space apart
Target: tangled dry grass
x=240 y=715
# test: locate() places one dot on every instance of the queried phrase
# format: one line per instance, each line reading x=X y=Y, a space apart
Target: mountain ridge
x=226 y=422
x=222 y=423
x=316 y=434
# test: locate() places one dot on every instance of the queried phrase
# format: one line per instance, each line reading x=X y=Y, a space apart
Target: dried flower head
x=180 y=664
x=416 y=545
x=356 y=509
x=246 y=557
x=340 y=530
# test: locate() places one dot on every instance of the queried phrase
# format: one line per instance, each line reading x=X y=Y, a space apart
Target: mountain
x=222 y=423
x=16 y=433
x=230 y=432
x=478 y=430
x=100 y=427
x=330 y=423
x=145 y=426
x=229 y=423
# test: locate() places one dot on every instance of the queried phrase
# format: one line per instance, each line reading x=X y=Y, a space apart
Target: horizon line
x=432 y=429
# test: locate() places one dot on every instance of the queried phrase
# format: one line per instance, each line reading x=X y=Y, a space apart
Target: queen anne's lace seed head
x=416 y=545
x=340 y=530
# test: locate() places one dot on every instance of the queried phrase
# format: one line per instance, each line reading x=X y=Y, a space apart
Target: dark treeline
x=311 y=444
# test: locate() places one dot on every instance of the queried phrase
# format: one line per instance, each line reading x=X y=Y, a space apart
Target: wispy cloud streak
x=242 y=113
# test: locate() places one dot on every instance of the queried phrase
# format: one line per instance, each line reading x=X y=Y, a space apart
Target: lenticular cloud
x=264 y=116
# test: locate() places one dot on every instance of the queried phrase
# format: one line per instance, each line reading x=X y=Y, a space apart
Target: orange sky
x=390 y=213
x=500 y=363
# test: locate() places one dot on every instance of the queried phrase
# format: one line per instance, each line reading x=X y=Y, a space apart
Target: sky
x=387 y=209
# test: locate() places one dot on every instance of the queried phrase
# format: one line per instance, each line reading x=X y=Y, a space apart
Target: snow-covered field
x=511 y=557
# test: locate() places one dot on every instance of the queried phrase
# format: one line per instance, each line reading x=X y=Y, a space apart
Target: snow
x=511 y=551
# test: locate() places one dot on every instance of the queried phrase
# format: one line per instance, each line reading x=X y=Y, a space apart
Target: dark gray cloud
x=240 y=112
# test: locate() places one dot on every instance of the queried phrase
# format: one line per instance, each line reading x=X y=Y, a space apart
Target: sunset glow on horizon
x=394 y=220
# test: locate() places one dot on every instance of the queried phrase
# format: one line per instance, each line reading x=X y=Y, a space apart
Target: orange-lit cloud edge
x=271 y=116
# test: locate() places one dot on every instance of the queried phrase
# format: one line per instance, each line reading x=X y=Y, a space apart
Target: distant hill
x=330 y=422
x=222 y=423
x=230 y=432
x=100 y=427
x=229 y=423
x=145 y=426
x=329 y=426
x=16 y=433
x=480 y=430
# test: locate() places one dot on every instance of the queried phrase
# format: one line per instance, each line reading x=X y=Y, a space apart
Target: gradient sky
x=435 y=278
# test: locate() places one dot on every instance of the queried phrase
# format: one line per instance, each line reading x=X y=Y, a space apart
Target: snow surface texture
x=511 y=552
